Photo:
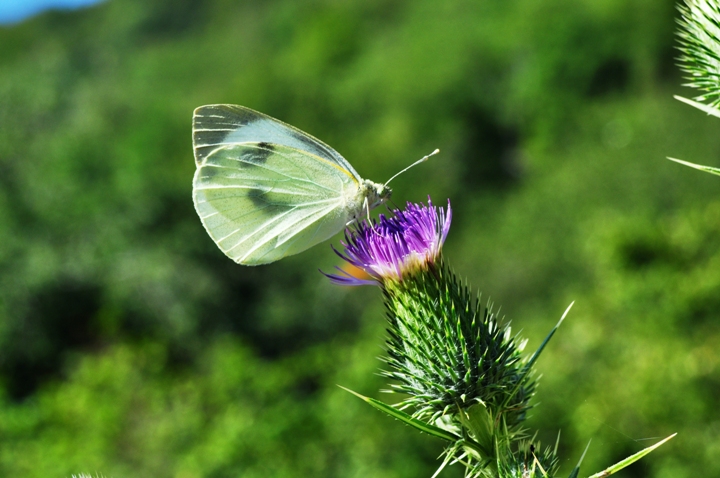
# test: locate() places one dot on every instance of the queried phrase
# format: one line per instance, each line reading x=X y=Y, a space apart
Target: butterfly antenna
x=421 y=160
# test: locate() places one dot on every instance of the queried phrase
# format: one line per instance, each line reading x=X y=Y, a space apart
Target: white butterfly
x=265 y=190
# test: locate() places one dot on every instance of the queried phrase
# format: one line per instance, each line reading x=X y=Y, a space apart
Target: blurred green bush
x=131 y=346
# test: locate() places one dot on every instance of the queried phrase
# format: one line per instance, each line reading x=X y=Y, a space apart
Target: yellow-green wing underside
x=261 y=201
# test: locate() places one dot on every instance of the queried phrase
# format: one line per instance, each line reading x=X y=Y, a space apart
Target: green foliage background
x=132 y=347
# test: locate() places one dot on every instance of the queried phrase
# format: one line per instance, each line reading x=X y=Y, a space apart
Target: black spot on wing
x=256 y=154
x=257 y=197
x=263 y=199
x=264 y=151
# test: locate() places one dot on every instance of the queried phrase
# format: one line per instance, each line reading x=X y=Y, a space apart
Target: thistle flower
x=445 y=352
x=461 y=372
x=396 y=246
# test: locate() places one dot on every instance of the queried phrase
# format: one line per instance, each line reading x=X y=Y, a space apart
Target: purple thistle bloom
x=389 y=248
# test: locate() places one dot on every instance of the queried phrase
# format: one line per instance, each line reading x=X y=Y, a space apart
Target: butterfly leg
x=366 y=203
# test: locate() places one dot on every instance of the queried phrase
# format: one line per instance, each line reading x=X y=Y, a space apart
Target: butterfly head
x=376 y=193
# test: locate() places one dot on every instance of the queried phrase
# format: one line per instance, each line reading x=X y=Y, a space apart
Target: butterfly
x=265 y=190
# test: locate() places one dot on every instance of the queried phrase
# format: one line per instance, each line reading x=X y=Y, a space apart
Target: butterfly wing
x=215 y=126
x=262 y=201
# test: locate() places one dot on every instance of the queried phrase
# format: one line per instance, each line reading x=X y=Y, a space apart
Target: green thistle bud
x=448 y=353
x=461 y=372
x=699 y=38
x=459 y=369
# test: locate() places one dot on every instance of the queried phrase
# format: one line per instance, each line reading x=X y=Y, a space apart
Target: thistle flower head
x=461 y=372
x=393 y=247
